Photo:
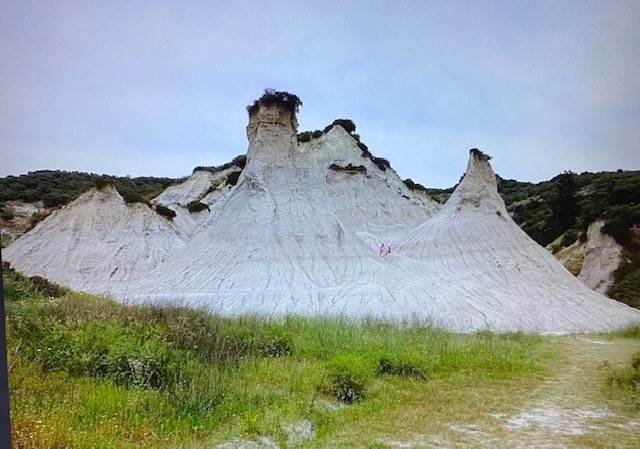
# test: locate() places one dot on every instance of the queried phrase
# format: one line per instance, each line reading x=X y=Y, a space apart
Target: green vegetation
x=626 y=279
x=346 y=123
x=350 y=127
x=167 y=213
x=197 y=206
x=86 y=372
x=6 y=214
x=412 y=185
x=233 y=177
x=239 y=161
x=57 y=188
x=349 y=168
x=272 y=97
x=306 y=136
x=348 y=376
x=627 y=379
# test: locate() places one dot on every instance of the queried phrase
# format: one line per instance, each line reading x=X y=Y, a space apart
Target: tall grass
x=88 y=372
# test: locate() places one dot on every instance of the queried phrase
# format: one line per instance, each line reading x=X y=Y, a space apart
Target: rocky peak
x=272 y=127
x=478 y=188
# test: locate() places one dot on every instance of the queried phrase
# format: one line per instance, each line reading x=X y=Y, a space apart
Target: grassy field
x=86 y=372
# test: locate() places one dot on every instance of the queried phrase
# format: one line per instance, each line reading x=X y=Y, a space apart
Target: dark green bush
x=626 y=284
x=142 y=364
x=272 y=97
x=479 y=154
x=56 y=188
x=348 y=168
x=233 y=177
x=165 y=211
x=381 y=162
x=569 y=237
x=16 y=286
x=275 y=346
x=130 y=196
x=239 y=161
x=100 y=182
x=414 y=185
x=36 y=218
x=348 y=376
x=196 y=206
x=6 y=214
x=401 y=368
x=46 y=288
x=619 y=220
x=635 y=361
x=346 y=123
x=627 y=378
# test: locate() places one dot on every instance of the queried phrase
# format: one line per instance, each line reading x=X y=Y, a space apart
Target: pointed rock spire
x=478 y=188
x=272 y=128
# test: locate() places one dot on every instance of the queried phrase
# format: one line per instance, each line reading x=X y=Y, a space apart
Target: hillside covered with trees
x=57 y=188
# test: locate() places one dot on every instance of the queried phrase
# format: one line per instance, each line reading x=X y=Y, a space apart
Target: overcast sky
x=156 y=88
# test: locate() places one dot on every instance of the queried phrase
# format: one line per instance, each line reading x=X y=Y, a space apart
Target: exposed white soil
x=593 y=260
x=202 y=186
x=499 y=278
x=273 y=246
x=295 y=236
x=375 y=202
x=97 y=243
x=602 y=256
x=260 y=443
x=298 y=432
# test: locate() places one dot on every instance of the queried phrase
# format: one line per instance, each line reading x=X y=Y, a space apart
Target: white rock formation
x=204 y=186
x=274 y=246
x=193 y=188
x=505 y=281
x=372 y=201
x=593 y=260
x=602 y=256
x=295 y=236
x=97 y=243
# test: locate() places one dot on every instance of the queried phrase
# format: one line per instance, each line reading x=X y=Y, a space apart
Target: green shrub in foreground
x=400 y=366
x=627 y=378
x=46 y=288
x=347 y=378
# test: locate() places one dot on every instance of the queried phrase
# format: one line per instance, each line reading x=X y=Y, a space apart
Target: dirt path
x=567 y=410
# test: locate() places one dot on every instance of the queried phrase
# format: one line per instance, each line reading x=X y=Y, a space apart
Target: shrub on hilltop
x=272 y=97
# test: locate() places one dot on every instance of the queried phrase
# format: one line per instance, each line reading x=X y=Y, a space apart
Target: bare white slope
x=97 y=243
x=593 y=260
x=274 y=247
x=602 y=256
x=376 y=201
x=193 y=188
x=502 y=277
x=203 y=186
